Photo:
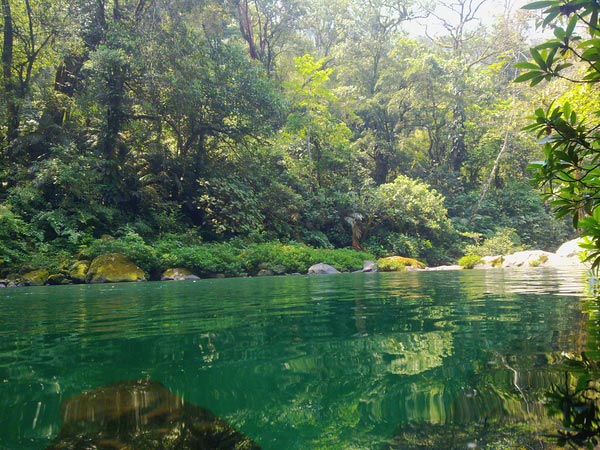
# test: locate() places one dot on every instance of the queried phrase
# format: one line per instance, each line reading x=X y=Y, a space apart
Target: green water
x=367 y=361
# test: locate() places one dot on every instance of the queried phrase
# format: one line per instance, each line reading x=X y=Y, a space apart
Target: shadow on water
x=142 y=414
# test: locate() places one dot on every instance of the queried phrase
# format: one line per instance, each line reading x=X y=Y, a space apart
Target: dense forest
x=179 y=130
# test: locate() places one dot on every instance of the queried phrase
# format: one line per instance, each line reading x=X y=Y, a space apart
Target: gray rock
x=369 y=266
x=322 y=269
x=570 y=249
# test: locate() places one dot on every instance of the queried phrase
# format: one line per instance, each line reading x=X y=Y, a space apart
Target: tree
x=28 y=30
x=570 y=171
x=368 y=66
x=265 y=25
x=319 y=138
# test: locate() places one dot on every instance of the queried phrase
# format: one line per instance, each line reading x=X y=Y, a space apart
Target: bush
x=203 y=259
x=130 y=244
x=469 y=261
x=15 y=234
x=398 y=264
x=504 y=242
x=344 y=259
x=297 y=258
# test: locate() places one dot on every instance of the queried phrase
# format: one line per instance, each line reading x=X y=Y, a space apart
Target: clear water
x=369 y=361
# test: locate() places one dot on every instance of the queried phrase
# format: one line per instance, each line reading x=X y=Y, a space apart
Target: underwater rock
x=113 y=268
x=322 y=269
x=142 y=415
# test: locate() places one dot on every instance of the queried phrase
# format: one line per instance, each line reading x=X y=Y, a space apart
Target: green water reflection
x=366 y=361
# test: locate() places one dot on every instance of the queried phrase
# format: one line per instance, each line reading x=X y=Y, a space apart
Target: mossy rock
x=36 y=277
x=178 y=274
x=142 y=414
x=113 y=268
x=57 y=279
x=398 y=263
x=78 y=271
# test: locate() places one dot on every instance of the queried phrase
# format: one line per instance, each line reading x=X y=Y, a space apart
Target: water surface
x=369 y=361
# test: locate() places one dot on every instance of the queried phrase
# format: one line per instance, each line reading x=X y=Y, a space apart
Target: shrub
x=15 y=233
x=204 y=259
x=130 y=244
x=398 y=263
x=504 y=242
x=344 y=259
x=469 y=261
x=294 y=258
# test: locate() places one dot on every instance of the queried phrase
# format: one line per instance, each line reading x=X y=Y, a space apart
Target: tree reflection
x=577 y=400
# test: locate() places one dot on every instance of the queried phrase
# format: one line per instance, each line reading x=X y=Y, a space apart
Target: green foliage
x=297 y=258
x=384 y=243
x=569 y=171
x=517 y=206
x=469 y=261
x=130 y=244
x=204 y=260
x=503 y=242
x=407 y=217
x=229 y=206
x=130 y=121
x=15 y=234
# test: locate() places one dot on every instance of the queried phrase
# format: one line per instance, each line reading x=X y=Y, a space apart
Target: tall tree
x=364 y=57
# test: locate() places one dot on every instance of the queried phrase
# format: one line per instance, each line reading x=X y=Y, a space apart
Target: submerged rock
x=142 y=415
x=113 y=268
x=322 y=269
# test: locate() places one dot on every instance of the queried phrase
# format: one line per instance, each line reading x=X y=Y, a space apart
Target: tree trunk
x=12 y=107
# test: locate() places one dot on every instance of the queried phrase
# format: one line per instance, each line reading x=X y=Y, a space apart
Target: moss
x=113 y=268
x=398 y=263
x=36 y=277
x=78 y=271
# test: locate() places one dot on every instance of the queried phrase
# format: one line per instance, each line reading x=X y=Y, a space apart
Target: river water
x=409 y=360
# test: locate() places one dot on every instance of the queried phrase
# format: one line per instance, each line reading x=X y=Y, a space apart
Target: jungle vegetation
x=162 y=127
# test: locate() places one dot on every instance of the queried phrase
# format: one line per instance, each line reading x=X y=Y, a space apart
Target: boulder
x=369 y=266
x=178 y=274
x=57 y=279
x=322 y=269
x=78 y=271
x=532 y=258
x=113 y=268
x=36 y=277
x=570 y=249
x=142 y=414
x=265 y=273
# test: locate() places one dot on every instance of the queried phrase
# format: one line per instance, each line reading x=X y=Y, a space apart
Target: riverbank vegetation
x=181 y=133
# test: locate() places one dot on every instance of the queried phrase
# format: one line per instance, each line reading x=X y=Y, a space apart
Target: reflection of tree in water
x=577 y=400
x=483 y=435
